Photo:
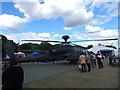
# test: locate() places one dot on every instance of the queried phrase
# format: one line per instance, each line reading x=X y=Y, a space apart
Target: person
x=110 y=60
x=88 y=61
x=96 y=55
x=102 y=59
x=83 y=62
x=12 y=76
x=99 y=61
x=94 y=60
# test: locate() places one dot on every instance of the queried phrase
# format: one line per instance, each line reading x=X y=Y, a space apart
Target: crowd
x=88 y=60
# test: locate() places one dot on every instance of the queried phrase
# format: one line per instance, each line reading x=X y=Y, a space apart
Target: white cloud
x=109 y=33
x=67 y=28
x=101 y=20
x=11 y=22
x=110 y=10
x=31 y=36
x=99 y=32
x=92 y=28
x=78 y=18
x=56 y=35
x=74 y=14
x=98 y=3
x=44 y=35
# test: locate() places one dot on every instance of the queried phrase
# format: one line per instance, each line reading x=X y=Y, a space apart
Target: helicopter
x=67 y=51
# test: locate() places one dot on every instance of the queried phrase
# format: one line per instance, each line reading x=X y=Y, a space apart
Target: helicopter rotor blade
x=71 y=41
x=96 y=40
x=42 y=41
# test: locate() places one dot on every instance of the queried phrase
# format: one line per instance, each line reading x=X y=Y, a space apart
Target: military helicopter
x=67 y=51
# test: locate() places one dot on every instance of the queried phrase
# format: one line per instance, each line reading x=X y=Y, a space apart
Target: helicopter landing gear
x=53 y=61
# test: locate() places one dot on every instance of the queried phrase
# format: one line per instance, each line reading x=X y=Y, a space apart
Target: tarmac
x=38 y=71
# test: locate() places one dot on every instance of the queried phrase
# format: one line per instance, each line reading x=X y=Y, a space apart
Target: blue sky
x=80 y=19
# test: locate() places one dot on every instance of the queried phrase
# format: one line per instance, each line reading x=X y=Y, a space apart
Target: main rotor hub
x=65 y=37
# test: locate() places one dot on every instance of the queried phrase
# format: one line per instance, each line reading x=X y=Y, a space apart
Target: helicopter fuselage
x=69 y=53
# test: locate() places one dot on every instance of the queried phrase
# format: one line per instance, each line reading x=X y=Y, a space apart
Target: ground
x=97 y=78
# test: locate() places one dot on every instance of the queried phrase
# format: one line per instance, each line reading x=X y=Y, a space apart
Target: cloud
x=101 y=20
x=109 y=33
x=108 y=7
x=94 y=33
x=78 y=18
x=74 y=14
x=99 y=3
x=31 y=36
x=99 y=32
x=67 y=28
x=44 y=35
x=92 y=28
x=11 y=22
x=102 y=34
x=56 y=35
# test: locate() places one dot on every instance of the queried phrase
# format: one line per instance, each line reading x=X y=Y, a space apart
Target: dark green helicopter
x=67 y=51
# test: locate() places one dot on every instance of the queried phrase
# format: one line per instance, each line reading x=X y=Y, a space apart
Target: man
x=88 y=61
x=99 y=61
x=12 y=78
x=83 y=62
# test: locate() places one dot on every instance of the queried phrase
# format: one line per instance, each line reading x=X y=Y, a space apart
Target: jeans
x=83 y=67
x=89 y=67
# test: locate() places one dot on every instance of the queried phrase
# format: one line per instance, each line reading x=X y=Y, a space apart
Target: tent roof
x=96 y=48
x=35 y=53
x=19 y=53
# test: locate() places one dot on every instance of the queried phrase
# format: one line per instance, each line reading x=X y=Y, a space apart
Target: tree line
x=40 y=48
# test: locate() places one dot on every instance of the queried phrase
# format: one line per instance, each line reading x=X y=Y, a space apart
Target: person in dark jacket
x=12 y=78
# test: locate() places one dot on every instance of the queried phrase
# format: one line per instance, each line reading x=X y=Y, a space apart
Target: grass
x=97 y=78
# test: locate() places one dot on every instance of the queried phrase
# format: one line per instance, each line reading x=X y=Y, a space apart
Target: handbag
x=79 y=66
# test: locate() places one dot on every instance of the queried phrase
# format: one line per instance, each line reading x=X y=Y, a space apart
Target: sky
x=51 y=19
